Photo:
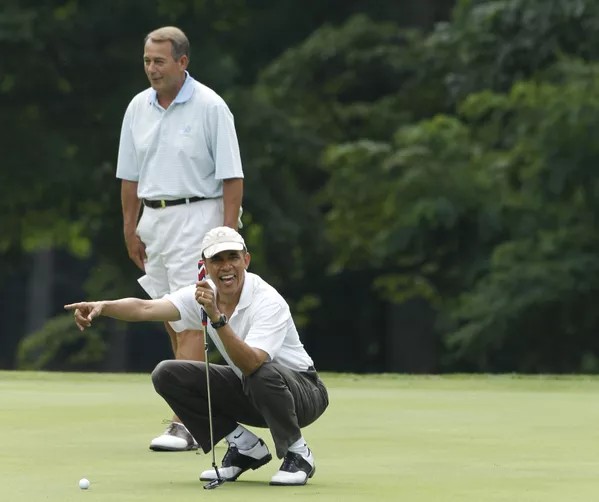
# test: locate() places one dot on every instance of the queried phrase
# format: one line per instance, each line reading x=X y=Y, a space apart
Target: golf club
x=219 y=480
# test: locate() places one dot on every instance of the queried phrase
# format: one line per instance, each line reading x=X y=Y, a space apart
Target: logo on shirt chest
x=185 y=131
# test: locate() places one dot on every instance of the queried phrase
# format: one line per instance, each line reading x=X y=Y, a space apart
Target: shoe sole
x=165 y=448
x=274 y=483
x=259 y=463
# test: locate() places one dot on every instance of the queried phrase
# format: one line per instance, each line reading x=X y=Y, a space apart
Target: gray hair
x=172 y=34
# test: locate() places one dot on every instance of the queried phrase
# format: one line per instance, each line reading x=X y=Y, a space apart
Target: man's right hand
x=137 y=250
x=85 y=312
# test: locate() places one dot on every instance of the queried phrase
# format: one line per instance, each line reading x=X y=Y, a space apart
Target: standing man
x=269 y=379
x=179 y=159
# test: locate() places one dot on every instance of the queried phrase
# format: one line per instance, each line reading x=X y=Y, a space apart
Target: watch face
x=222 y=320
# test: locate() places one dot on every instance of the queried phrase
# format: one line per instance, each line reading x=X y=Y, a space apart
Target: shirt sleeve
x=225 y=146
x=190 y=311
x=269 y=327
x=126 y=166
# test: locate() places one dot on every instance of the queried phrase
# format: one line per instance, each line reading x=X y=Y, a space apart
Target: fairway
x=383 y=438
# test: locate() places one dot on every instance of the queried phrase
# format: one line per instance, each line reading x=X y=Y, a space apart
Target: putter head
x=215 y=483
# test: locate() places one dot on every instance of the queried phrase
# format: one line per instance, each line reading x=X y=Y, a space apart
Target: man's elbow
x=251 y=369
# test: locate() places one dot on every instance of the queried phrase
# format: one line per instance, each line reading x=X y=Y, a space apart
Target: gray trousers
x=273 y=396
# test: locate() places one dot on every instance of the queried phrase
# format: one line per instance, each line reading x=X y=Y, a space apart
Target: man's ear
x=247 y=259
x=184 y=62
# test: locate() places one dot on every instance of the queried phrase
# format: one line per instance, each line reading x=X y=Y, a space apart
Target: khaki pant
x=273 y=396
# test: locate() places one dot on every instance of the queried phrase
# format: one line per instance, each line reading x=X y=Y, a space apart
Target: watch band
x=222 y=320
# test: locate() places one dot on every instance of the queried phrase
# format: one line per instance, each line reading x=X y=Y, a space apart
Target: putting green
x=383 y=438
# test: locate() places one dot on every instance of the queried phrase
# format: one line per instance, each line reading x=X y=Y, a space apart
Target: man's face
x=226 y=269
x=163 y=71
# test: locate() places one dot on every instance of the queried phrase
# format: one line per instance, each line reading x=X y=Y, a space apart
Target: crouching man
x=269 y=379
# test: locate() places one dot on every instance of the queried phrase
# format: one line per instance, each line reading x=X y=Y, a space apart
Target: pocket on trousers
x=141 y=227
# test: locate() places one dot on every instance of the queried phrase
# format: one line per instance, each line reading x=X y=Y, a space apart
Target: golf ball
x=84 y=483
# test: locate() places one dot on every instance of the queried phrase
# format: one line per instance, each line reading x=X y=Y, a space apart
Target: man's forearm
x=131 y=205
x=232 y=198
x=135 y=309
x=247 y=359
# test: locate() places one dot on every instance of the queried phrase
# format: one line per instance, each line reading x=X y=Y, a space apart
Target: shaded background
x=421 y=176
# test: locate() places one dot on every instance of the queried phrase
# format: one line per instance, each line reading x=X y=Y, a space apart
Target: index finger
x=73 y=306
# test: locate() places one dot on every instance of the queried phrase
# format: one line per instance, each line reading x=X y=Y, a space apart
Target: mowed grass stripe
x=384 y=437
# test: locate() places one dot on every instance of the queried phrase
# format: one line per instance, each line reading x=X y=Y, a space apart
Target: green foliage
x=542 y=277
x=491 y=217
x=281 y=219
x=343 y=82
x=53 y=148
x=492 y=44
x=418 y=207
x=60 y=345
x=535 y=308
x=488 y=213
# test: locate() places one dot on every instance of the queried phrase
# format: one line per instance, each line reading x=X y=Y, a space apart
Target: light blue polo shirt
x=183 y=151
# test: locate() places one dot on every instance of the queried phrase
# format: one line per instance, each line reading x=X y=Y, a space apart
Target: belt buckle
x=163 y=203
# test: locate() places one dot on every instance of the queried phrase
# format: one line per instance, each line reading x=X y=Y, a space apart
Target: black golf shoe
x=295 y=470
x=236 y=462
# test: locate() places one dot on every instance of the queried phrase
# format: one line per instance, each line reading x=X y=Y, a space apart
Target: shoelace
x=231 y=452
x=171 y=429
x=290 y=460
x=171 y=426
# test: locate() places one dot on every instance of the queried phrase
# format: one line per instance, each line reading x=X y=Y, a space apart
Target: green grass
x=383 y=438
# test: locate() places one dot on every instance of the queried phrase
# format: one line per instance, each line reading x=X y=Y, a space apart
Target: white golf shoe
x=236 y=462
x=175 y=438
x=295 y=470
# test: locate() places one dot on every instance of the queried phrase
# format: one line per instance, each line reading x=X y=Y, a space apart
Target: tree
x=534 y=307
x=491 y=44
x=463 y=209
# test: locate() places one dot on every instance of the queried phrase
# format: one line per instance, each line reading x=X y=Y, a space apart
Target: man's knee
x=162 y=374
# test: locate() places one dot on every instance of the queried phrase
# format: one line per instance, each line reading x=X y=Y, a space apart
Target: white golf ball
x=84 y=483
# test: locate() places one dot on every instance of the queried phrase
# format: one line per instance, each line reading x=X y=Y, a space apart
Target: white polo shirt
x=183 y=151
x=262 y=319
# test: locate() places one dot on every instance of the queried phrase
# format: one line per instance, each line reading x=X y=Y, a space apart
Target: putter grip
x=201 y=277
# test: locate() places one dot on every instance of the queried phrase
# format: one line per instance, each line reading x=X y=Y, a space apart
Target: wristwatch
x=222 y=320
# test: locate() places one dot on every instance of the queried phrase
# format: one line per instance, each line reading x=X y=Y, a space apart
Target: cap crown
x=221 y=239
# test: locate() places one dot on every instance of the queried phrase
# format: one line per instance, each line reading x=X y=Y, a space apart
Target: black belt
x=155 y=204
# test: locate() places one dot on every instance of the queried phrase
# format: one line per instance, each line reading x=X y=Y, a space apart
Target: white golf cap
x=221 y=239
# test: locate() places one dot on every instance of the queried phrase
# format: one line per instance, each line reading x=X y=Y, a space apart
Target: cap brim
x=210 y=251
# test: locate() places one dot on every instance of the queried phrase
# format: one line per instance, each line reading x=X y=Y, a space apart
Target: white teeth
x=226 y=277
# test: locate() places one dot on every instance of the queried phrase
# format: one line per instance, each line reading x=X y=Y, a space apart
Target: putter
x=219 y=480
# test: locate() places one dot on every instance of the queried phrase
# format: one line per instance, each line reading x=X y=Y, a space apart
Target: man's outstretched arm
x=125 y=309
